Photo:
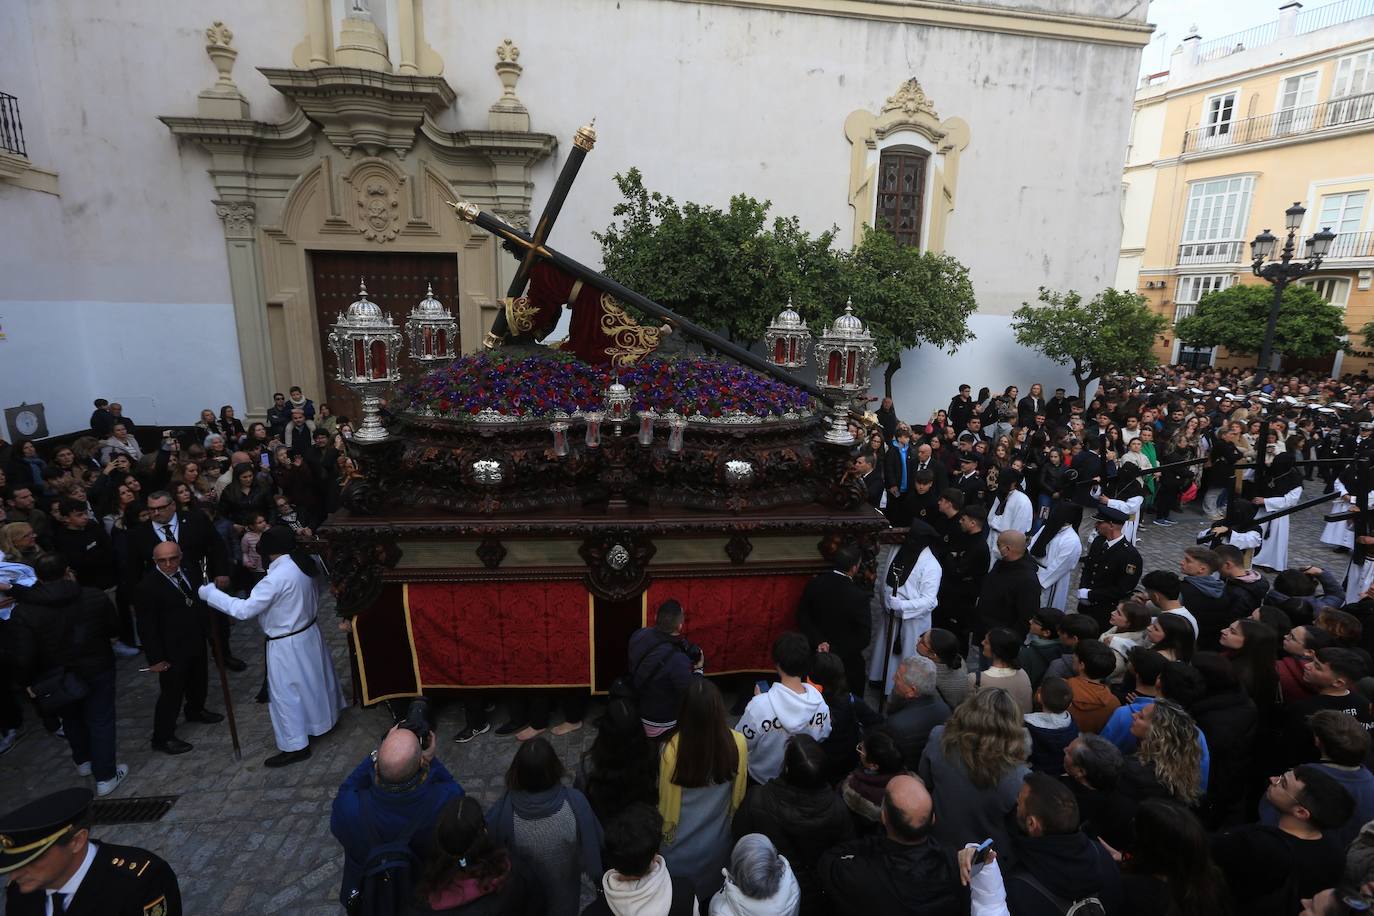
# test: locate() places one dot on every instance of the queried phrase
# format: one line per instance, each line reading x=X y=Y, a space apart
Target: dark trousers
x=90 y=726
x=1165 y=497
x=184 y=682
x=475 y=709
x=124 y=605
x=532 y=707
x=855 y=672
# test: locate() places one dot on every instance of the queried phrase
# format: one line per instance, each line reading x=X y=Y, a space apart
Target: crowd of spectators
x=937 y=737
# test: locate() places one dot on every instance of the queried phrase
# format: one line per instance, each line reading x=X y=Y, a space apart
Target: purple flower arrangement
x=535 y=386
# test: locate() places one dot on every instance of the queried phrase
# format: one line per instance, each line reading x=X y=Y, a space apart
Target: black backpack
x=390 y=871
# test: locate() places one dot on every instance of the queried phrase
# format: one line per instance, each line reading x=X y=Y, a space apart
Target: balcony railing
x=11 y=128
x=1210 y=252
x=1288 y=122
x=1346 y=245
x=1236 y=42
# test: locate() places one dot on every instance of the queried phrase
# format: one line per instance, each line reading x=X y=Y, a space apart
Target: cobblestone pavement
x=244 y=839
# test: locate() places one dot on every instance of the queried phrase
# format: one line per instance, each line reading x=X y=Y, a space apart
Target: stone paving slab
x=244 y=839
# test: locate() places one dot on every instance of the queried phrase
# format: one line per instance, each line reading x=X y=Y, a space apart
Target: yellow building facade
x=1238 y=129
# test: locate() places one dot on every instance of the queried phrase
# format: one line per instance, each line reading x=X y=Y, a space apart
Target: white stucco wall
x=707 y=101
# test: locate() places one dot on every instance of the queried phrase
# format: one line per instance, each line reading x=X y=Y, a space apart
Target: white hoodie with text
x=771 y=717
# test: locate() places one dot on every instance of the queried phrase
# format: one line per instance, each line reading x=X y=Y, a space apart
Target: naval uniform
x=1110 y=574
x=113 y=881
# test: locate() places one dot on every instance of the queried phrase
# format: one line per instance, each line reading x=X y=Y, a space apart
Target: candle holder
x=844 y=356
x=677 y=425
x=365 y=340
x=646 y=427
x=559 y=428
x=593 y=419
x=431 y=331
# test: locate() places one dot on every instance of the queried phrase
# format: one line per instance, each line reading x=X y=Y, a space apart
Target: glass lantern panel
x=359 y=359
x=443 y=342
x=833 y=370
x=779 y=353
x=849 y=368
x=379 y=367
x=792 y=349
x=429 y=341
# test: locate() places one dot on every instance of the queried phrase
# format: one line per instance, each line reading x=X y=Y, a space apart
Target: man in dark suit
x=834 y=614
x=198 y=540
x=925 y=461
x=54 y=866
x=963 y=568
x=174 y=625
x=1111 y=568
x=870 y=477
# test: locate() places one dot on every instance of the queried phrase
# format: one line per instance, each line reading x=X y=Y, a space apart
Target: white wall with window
x=1215 y=220
x=1219 y=117
x=1335 y=290
x=1352 y=88
x=1296 y=103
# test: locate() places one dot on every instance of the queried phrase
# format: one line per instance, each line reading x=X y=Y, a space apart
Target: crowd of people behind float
x=1190 y=739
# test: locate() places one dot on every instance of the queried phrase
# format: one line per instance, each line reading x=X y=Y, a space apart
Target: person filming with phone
x=385 y=812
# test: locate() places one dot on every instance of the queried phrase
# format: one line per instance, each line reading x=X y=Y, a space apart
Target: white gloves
x=206 y=590
x=1082 y=594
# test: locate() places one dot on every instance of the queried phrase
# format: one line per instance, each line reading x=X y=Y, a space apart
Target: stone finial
x=222 y=100
x=509 y=113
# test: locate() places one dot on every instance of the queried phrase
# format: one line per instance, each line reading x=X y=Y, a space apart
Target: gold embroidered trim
x=630 y=340
x=520 y=315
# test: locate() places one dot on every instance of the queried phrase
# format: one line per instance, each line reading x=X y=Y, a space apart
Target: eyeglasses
x=159 y=508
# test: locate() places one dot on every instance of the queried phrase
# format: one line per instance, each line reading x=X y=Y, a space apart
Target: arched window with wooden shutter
x=900 y=206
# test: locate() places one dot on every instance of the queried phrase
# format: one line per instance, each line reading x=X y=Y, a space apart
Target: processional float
x=518 y=512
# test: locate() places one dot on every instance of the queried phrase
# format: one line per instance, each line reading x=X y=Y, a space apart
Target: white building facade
x=200 y=185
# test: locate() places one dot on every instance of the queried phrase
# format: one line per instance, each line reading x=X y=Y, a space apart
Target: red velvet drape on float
x=431 y=635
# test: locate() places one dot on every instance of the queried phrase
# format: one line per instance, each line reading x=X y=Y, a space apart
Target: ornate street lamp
x=844 y=356
x=1284 y=270
x=365 y=340
x=786 y=339
x=431 y=330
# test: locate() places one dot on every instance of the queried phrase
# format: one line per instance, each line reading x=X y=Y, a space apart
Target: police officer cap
x=28 y=832
x=1367 y=425
x=1108 y=514
x=969 y=458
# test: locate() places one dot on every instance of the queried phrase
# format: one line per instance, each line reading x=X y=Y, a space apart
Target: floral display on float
x=533 y=386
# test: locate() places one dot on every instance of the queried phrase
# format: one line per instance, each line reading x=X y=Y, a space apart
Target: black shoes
x=510 y=728
x=235 y=664
x=467 y=734
x=172 y=746
x=205 y=716
x=286 y=758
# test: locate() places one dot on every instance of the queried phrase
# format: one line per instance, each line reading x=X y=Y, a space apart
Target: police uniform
x=1110 y=572
x=110 y=880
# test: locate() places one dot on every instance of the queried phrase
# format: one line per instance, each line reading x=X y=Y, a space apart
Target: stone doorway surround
x=360 y=164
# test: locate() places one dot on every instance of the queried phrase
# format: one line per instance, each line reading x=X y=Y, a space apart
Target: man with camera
x=393 y=796
x=661 y=665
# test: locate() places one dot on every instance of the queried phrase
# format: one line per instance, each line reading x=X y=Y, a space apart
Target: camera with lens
x=692 y=650
x=417 y=720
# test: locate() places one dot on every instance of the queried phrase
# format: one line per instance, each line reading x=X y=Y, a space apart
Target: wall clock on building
x=26 y=421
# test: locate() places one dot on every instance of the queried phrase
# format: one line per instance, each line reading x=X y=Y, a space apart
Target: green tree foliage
x=908 y=297
x=733 y=270
x=1236 y=317
x=1114 y=332
x=723 y=269
x=1366 y=334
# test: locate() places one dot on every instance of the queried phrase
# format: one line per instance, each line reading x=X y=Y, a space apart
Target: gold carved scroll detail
x=630 y=340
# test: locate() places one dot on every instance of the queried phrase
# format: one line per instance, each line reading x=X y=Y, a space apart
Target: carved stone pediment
x=363 y=109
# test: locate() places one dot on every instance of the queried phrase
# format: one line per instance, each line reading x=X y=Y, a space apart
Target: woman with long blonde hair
x=19 y=544
x=973 y=766
x=1168 y=761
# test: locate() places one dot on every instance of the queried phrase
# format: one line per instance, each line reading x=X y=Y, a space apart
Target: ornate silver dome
x=429 y=307
x=848 y=324
x=363 y=311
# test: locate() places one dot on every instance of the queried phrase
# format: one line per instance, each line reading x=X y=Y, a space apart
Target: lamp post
x=1283 y=270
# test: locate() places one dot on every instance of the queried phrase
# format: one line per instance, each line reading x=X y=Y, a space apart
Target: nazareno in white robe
x=1274 y=553
x=911 y=606
x=1061 y=556
x=306 y=698
x=1339 y=534
x=1018 y=516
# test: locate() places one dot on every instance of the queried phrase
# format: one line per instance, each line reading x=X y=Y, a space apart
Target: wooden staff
x=217 y=644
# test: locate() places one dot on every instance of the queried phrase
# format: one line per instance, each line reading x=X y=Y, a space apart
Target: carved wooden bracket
x=738 y=548
x=491 y=552
x=357 y=562
x=617 y=564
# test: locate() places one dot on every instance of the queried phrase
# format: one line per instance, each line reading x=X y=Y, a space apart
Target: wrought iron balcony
x=1330 y=115
x=1347 y=245
x=1211 y=253
x=11 y=128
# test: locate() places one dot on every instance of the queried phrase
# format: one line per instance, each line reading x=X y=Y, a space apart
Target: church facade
x=199 y=187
